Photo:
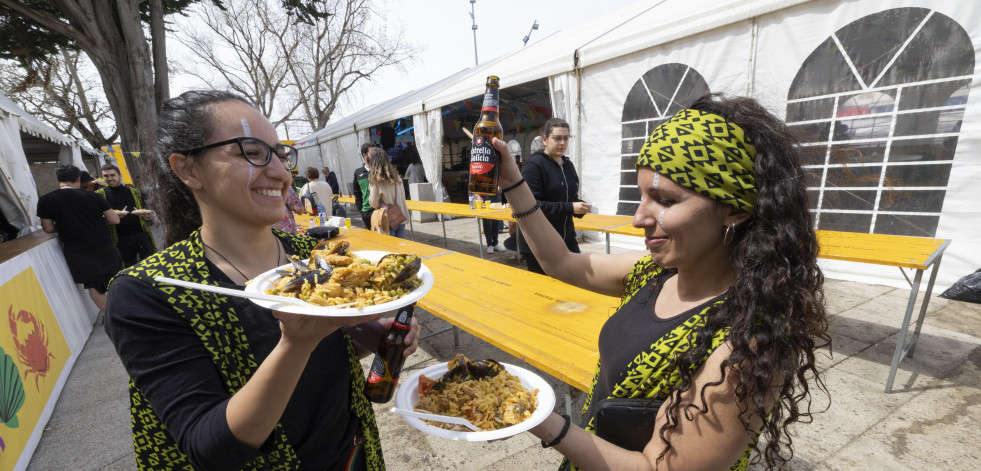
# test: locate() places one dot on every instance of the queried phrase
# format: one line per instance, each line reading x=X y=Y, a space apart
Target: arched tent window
x=655 y=97
x=879 y=105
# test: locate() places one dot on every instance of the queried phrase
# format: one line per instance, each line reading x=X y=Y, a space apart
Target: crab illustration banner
x=33 y=352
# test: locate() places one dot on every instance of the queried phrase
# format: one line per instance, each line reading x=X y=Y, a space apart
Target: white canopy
x=882 y=86
x=18 y=193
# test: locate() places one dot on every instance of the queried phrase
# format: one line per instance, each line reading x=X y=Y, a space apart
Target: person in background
x=386 y=187
x=133 y=236
x=293 y=206
x=415 y=172
x=87 y=182
x=361 y=186
x=331 y=180
x=218 y=382
x=723 y=313
x=552 y=178
x=492 y=228
x=81 y=219
x=321 y=191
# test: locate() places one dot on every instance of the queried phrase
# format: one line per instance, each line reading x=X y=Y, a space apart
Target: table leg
x=445 y=242
x=901 y=341
x=607 y=242
x=412 y=228
x=480 y=238
x=568 y=400
x=923 y=307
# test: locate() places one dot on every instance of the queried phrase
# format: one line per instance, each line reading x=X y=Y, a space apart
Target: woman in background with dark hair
x=218 y=382
x=553 y=181
x=720 y=317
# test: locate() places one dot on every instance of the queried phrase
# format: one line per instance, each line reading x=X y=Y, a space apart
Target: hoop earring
x=730 y=234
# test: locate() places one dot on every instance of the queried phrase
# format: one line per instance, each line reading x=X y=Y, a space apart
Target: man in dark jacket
x=331 y=180
x=552 y=178
x=132 y=236
x=361 y=186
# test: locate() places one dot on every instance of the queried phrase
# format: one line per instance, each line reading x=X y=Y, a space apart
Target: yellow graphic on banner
x=117 y=154
x=33 y=352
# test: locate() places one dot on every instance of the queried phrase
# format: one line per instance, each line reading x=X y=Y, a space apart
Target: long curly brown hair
x=775 y=308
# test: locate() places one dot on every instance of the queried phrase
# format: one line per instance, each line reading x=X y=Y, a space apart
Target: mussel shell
x=312 y=276
x=409 y=270
x=484 y=368
x=339 y=248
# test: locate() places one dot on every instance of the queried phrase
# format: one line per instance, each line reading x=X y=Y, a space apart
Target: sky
x=441 y=31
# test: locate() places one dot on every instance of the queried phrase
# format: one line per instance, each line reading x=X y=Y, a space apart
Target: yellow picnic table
x=916 y=253
x=545 y=322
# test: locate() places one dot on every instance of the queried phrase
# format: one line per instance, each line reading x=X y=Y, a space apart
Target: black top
x=167 y=361
x=122 y=197
x=631 y=330
x=77 y=216
x=332 y=181
x=556 y=187
x=361 y=191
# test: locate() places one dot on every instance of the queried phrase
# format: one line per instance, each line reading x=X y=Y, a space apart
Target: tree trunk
x=158 y=40
x=111 y=34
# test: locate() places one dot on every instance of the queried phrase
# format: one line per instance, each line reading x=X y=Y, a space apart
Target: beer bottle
x=484 y=159
x=387 y=367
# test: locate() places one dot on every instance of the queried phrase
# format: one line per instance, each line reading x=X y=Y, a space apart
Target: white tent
x=18 y=192
x=883 y=89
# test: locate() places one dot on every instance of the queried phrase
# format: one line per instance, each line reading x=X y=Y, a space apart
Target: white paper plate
x=408 y=396
x=265 y=281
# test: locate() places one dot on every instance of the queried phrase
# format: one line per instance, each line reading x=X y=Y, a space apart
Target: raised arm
x=601 y=273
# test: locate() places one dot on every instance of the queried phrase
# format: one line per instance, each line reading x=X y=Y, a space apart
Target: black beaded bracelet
x=558 y=439
x=538 y=204
x=513 y=186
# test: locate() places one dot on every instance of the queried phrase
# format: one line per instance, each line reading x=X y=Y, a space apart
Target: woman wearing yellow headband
x=720 y=317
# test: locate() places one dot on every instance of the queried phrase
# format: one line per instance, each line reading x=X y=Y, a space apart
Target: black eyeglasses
x=256 y=151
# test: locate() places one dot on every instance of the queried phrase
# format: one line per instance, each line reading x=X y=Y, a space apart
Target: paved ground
x=930 y=421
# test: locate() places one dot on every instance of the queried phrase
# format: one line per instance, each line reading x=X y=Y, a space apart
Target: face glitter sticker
x=657 y=177
x=660 y=218
x=245 y=128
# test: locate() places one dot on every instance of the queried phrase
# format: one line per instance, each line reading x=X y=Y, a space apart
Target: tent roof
x=670 y=20
x=33 y=126
x=552 y=55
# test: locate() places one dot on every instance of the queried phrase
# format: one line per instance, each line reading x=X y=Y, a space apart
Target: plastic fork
x=437 y=418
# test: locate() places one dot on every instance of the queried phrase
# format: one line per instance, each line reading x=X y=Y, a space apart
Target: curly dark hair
x=775 y=309
x=67 y=173
x=185 y=122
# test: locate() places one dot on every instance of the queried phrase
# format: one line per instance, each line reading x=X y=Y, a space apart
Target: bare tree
x=62 y=92
x=294 y=71
x=340 y=52
x=239 y=44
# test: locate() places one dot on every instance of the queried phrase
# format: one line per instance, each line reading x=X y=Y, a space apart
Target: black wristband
x=538 y=204
x=558 y=439
x=513 y=186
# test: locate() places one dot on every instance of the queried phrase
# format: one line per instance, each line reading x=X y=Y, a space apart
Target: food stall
x=47 y=317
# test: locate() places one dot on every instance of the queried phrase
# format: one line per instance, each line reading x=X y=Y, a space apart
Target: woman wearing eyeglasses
x=218 y=382
x=553 y=180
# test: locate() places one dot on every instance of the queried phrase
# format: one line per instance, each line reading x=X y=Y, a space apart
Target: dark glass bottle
x=484 y=159
x=385 y=370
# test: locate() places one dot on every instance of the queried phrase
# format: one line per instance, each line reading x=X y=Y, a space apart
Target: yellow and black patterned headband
x=704 y=152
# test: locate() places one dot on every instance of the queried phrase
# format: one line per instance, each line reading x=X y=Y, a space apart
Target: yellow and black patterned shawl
x=217 y=325
x=138 y=198
x=652 y=374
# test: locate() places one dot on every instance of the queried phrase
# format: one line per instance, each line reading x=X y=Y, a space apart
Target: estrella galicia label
x=483 y=156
